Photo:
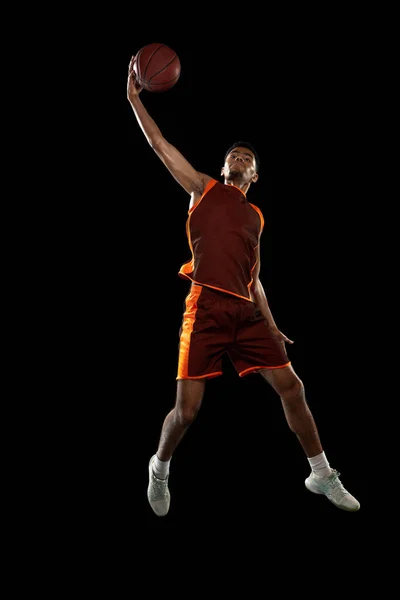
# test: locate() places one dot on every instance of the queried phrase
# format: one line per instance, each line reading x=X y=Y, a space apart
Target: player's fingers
x=130 y=68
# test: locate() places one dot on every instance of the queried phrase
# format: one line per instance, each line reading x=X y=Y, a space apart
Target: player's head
x=243 y=154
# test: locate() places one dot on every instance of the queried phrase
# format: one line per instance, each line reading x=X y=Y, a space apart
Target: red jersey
x=223 y=231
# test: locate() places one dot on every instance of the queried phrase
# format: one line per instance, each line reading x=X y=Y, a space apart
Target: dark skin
x=239 y=170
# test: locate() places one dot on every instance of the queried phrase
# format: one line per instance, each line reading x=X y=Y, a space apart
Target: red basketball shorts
x=215 y=323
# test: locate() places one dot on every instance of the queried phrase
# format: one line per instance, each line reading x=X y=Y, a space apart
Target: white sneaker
x=158 y=493
x=333 y=489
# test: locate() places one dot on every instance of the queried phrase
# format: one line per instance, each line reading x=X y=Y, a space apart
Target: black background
x=301 y=102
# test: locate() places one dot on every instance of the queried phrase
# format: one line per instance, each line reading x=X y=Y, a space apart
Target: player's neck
x=244 y=187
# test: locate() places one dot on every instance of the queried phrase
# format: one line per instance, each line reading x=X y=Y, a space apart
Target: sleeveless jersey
x=223 y=231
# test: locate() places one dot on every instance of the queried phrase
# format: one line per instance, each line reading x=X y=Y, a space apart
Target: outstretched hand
x=133 y=88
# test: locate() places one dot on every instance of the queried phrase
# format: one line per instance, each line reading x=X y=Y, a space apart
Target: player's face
x=240 y=162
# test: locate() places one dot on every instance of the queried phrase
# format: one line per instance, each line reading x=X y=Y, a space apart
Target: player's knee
x=185 y=415
x=293 y=391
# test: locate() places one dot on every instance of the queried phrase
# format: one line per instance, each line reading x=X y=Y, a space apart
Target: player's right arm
x=191 y=180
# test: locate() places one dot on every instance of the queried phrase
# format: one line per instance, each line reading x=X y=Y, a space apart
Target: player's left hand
x=281 y=337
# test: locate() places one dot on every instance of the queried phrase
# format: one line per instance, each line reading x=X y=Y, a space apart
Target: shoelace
x=159 y=486
x=337 y=490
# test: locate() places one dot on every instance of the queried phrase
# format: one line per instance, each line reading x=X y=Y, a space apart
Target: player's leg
x=323 y=479
x=203 y=338
x=189 y=396
x=298 y=415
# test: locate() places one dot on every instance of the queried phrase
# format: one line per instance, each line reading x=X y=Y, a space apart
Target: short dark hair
x=242 y=144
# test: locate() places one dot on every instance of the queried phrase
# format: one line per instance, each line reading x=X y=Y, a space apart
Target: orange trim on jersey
x=214 y=287
x=188 y=267
x=251 y=272
x=250 y=369
x=259 y=235
x=251 y=280
x=260 y=214
x=208 y=187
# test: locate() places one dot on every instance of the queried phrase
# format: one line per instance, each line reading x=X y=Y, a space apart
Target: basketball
x=157 y=67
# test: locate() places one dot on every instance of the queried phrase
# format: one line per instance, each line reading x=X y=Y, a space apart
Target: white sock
x=161 y=467
x=320 y=465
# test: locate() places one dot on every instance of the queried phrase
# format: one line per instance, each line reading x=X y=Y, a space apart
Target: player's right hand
x=133 y=88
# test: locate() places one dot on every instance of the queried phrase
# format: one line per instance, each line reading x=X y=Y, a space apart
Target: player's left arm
x=260 y=300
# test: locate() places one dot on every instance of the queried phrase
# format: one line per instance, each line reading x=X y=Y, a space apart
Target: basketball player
x=226 y=309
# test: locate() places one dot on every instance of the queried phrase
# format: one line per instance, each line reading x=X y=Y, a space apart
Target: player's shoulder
x=206 y=181
x=201 y=187
x=202 y=184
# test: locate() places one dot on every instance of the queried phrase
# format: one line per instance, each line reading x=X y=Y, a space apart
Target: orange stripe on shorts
x=189 y=319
